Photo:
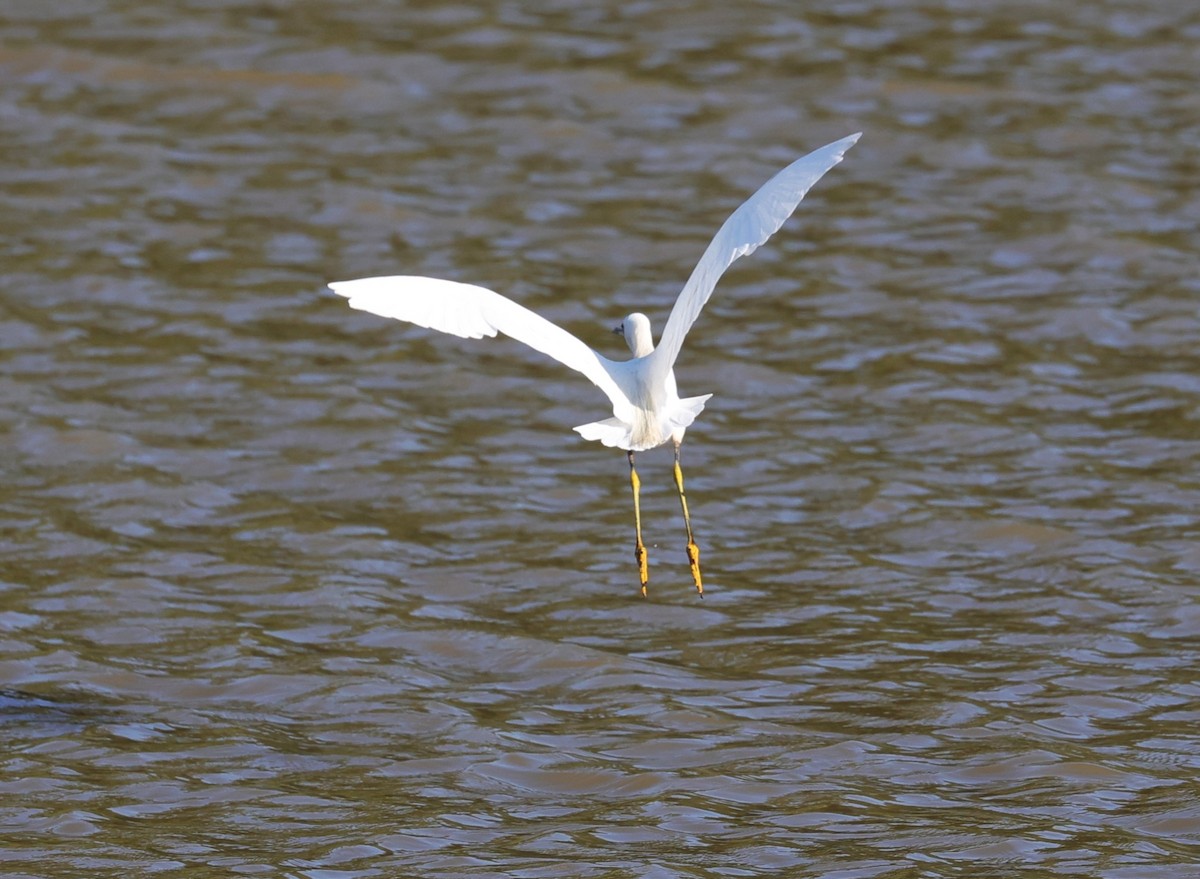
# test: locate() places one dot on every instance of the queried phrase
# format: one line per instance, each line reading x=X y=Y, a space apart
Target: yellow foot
x=693 y=552
x=643 y=563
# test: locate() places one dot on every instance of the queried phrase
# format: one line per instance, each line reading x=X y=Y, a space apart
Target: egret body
x=647 y=409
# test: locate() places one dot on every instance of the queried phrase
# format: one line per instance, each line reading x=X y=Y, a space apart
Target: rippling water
x=290 y=590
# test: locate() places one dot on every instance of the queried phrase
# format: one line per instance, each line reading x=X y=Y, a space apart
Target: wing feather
x=758 y=218
x=472 y=312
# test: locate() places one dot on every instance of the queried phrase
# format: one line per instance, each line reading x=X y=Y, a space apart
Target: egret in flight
x=647 y=408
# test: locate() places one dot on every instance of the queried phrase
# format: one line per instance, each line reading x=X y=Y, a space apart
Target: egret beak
x=619 y=330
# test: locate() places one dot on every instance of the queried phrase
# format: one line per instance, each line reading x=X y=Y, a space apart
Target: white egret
x=647 y=408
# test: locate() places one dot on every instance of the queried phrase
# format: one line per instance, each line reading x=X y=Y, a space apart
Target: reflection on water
x=290 y=587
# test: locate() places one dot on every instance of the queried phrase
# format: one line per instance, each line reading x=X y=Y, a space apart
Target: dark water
x=291 y=590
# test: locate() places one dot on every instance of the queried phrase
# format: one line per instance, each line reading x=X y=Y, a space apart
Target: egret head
x=636 y=330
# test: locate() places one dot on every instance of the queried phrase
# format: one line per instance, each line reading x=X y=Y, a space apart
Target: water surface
x=292 y=590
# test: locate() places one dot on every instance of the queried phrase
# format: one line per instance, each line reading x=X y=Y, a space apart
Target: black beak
x=619 y=330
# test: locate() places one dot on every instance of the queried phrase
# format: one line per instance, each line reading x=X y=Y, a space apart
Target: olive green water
x=288 y=590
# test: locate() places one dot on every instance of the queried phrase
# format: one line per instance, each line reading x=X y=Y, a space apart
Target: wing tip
x=845 y=143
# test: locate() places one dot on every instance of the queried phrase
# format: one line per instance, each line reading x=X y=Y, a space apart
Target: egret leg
x=693 y=551
x=640 y=550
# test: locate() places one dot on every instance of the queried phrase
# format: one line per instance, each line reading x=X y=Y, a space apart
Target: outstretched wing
x=759 y=217
x=474 y=312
